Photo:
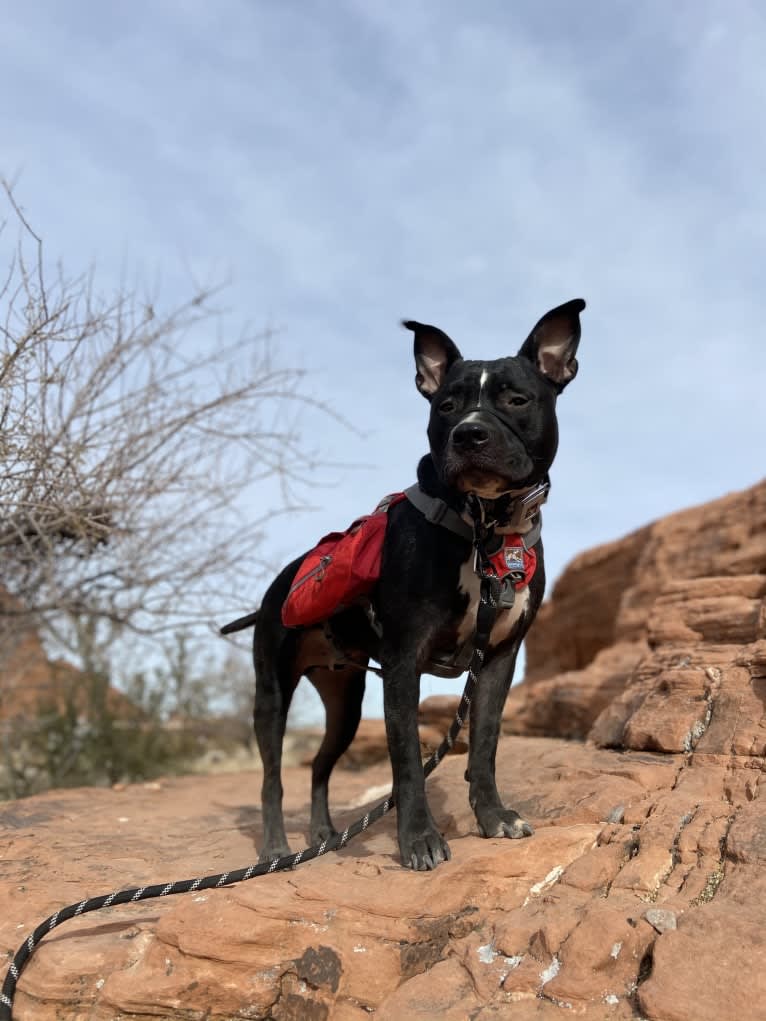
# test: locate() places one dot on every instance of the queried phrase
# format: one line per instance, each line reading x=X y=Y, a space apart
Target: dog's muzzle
x=485 y=455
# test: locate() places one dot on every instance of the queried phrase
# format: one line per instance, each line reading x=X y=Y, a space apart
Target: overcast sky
x=351 y=163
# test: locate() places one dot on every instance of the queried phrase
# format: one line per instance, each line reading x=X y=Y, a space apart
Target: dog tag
x=514 y=558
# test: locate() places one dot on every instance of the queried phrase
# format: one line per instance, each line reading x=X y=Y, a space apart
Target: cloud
x=354 y=163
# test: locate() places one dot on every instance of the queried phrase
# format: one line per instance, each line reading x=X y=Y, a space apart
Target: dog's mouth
x=488 y=485
x=488 y=476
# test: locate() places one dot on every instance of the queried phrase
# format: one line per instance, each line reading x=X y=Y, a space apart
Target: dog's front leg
x=494 y=819
x=420 y=844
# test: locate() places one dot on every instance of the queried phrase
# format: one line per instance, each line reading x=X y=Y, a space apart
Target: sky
x=348 y=164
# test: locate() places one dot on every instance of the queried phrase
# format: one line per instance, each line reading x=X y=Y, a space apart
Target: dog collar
x=524 y=506
x=515 y=510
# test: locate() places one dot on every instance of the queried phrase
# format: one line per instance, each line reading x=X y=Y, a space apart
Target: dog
x=493 y=435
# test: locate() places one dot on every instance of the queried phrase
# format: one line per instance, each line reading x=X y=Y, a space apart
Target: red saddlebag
x=342 y=568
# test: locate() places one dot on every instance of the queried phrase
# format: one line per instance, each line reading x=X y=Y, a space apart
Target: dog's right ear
x=435 y=353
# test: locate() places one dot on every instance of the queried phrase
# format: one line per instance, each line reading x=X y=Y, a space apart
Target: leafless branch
x=129 y=435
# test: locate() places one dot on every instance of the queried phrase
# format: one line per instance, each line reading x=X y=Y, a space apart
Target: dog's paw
x=424 y=852
x=505 y=824
x=274 y=851
x=321 y=833
x=515 y=830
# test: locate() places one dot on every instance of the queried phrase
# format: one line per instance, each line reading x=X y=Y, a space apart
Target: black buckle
x=507 y=594
x=503 y=588
x=385 y=503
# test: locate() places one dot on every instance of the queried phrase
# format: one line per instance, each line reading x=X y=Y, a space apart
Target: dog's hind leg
x=341 y=692
x=275 y=682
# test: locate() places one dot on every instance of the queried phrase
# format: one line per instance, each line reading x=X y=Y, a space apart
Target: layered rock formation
x=640 y=896
x=656 y=642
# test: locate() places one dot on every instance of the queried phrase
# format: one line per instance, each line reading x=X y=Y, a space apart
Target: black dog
x=493 y=434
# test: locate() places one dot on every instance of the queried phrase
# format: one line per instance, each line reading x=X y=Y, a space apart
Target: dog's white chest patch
x=506 y=619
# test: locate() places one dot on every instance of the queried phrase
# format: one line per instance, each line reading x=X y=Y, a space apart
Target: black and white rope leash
x=485 y=618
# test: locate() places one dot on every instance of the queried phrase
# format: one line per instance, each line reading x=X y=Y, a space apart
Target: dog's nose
x=470 y=435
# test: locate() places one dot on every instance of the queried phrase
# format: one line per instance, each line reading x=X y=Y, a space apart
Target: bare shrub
x=129 y=436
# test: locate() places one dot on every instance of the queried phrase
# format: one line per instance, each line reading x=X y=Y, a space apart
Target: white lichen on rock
x=551 y=971
x=487 y=953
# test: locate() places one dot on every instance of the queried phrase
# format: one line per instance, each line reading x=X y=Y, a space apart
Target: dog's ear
x=435 y=353
x=552 y=344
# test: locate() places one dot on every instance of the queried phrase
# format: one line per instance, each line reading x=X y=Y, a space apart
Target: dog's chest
x=469 y=584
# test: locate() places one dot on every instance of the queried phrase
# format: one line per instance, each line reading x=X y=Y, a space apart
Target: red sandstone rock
x=729 y=983
x=568 y=704
x=30 y=682
x=580 y=619
x=556 y=919
x=655 y=641
x=662 y=645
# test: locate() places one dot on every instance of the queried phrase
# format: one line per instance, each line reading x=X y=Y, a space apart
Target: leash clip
x=482 y=528
x=502 y=589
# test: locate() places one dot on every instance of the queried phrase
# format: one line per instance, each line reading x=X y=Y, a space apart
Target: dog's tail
x=240 y=624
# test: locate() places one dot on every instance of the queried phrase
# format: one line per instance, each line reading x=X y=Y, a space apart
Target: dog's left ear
x=552 y=344
x=435 y=353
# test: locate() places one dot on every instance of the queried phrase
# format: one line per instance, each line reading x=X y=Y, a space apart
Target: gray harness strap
x=532 y=537
x=438 y=512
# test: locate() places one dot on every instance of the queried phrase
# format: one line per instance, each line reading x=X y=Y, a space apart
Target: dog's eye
x=447 y=406
x=514 y=399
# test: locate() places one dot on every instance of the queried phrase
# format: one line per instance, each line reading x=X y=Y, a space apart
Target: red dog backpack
x=343 y=567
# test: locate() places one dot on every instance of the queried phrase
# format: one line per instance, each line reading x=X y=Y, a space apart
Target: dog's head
x=493 y=424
